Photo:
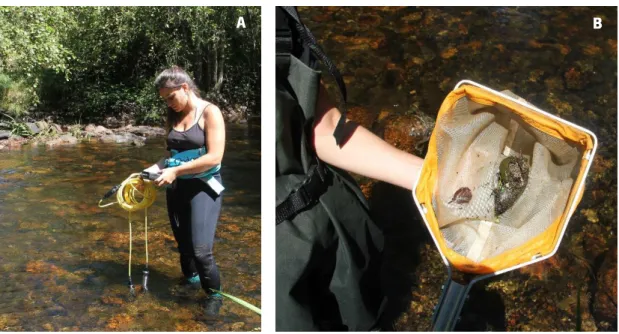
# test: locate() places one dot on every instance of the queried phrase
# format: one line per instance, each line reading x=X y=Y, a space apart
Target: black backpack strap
x=306 y=195
x=308 y=39
x=295 y=47
x=283 y=40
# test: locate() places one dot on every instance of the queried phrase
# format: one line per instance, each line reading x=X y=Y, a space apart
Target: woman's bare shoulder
x=209 y=106
x=211 y=114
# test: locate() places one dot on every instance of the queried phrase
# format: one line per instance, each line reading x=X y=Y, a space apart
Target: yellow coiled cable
x=133 y=194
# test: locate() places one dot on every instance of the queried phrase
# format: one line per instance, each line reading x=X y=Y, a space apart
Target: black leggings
x=193 y=208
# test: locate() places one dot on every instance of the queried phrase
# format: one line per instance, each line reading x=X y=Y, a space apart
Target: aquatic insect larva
x=462 y=196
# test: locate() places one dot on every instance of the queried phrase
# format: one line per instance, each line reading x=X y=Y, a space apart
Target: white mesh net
x=472 y=140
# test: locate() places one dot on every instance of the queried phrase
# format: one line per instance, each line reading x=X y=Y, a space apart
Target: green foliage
x=30 y=42
x=75 y=130
x=87 y=63
x=15 y=97
x=5 y=83
x=50 y=132
x=16 y=127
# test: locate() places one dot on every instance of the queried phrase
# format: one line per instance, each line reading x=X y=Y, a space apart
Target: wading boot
x=212 y=304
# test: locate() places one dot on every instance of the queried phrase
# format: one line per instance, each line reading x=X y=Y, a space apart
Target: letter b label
x=597 y=23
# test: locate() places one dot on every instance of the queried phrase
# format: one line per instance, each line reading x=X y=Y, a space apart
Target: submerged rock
x=407 y=132
x=575 y=79
x=360 y=116
x=119 y=322
x=56 y=311
x=237 y=326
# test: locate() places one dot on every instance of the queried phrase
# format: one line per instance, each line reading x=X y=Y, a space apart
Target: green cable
x=240 y=302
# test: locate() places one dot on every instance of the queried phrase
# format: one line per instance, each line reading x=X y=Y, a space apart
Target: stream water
x=64 y=260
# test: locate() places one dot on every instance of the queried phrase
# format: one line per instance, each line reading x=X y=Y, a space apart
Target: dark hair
x=174 y=77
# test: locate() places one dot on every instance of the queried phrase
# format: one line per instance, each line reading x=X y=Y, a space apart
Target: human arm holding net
x=363 y=152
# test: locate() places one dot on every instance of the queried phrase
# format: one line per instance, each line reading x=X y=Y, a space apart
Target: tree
x=88 y=62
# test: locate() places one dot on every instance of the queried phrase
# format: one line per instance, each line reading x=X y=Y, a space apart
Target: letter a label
x=240 y=23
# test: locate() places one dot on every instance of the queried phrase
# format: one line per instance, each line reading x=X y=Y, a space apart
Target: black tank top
x=192 y=138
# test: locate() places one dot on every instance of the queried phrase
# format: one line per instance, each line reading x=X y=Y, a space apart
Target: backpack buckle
x=306 y=194
x=311 y=188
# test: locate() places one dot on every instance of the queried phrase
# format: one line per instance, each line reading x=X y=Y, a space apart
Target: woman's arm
x=215 y=130
x=363 y=153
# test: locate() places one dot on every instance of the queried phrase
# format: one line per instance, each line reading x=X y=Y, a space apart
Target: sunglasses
x=170 y=97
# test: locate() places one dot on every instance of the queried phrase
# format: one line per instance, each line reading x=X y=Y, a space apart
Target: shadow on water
x=402 y=226
x=64 y=262
x=484 y=311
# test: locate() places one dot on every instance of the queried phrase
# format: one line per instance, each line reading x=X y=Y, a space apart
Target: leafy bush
x=86 y=63
x=15 y=97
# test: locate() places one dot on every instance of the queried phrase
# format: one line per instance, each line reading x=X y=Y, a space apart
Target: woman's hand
x=168 y=175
